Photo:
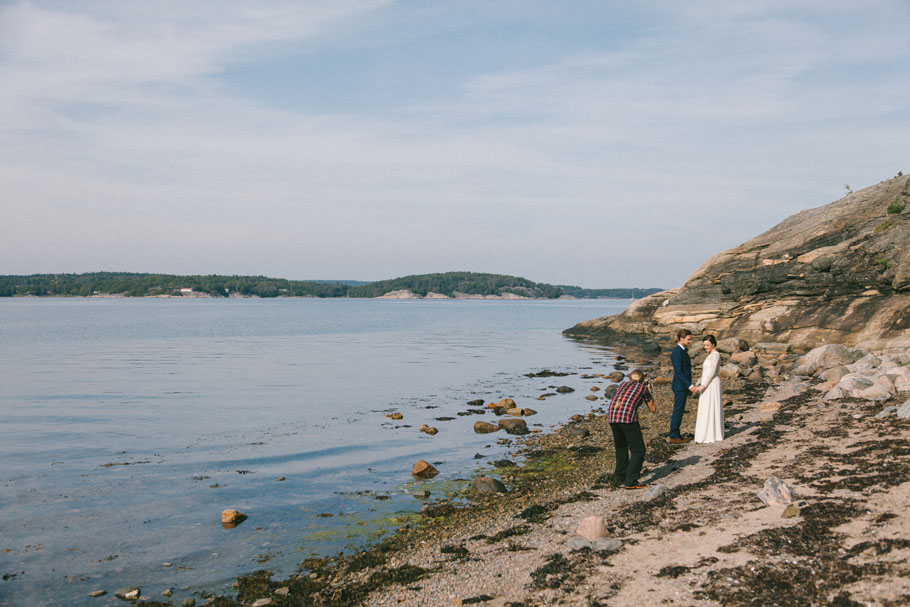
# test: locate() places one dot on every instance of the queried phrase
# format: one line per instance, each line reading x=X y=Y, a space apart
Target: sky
x=600 y=144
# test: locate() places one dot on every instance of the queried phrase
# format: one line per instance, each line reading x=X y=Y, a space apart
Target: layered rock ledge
x=839 y=273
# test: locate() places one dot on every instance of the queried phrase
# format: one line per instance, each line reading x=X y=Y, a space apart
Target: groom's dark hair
x=682 y=333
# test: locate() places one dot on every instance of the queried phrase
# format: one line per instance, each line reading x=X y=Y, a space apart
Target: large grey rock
x=886 y=412
x=606 y=544
x=824 y=357
x=854 y=381
x=578 y=543
x=487 y=485
x=776 y=493
x=865 y=364
x=904 y=410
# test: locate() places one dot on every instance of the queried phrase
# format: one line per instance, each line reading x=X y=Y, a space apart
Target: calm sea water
x=128 y=425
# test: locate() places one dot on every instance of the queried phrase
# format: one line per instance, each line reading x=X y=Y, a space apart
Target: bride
x=709 y=424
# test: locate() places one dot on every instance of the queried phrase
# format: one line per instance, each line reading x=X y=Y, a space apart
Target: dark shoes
x=678 y=441
x=635 y=487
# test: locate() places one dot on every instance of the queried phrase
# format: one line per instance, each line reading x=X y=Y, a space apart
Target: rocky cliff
x=839 y=273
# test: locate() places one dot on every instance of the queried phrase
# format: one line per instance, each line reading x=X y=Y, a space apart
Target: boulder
x=395 y=415
x=834 y=373
x=865 y=364
x=747 y=358
x=729 y=371
x=886 y=412
x=565 y=389
x=508 y=403
x=610 y=391
x=790 y=511
x=769 y=407
x=485 y=427
x=591 y=397
x=654 y=491
x=592 y=528
x=263 y=602
x=578 y=543
x=902 y=384
x=616 y=376
x=732 y=344
x=96 y=593
x=577 y=432
x=904 y=410
x=487 y=485
x=514 y=425
x=230 y=518
x=854 y=381
x=824 y=357
x=776 y=493
x=423 y=469
x=476 y=403
x=606 y=544
x=428 y=430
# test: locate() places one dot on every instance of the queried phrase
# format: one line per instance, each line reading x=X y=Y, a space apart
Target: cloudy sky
x=603 y=144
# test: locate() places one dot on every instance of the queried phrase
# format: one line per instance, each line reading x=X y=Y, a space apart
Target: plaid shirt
x=625 y=403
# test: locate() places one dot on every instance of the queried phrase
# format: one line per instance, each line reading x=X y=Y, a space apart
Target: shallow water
x=128 y=425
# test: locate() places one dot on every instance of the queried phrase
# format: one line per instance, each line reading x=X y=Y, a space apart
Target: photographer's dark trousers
x=627 y=438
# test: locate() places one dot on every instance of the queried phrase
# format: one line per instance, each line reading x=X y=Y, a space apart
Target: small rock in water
x=421 y=494
x=514 y=426
x=167 y=592
x=189 y=602
x=127 y=594
x=281 y=478
x=97 y=593
x=565 y=389
x=428 y=430
x=776 y=493
x=476 y=403
x=508 y=403
x=230 y=518
x=485 y=427
x=590 y=397
x=595 y=388
x=395 y=415
x=423 y=469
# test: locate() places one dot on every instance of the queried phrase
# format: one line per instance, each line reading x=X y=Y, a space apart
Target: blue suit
x=682 y=379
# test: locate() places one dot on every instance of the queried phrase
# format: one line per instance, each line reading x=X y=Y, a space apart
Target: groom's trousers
x=626 y=438
x=679 y=407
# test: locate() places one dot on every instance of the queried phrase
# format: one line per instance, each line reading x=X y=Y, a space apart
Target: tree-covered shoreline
x=450 y=284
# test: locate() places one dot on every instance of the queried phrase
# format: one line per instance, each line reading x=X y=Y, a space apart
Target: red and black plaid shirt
x=625 y=403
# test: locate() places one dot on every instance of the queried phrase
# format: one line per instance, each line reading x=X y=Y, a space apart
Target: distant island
x=468 y=285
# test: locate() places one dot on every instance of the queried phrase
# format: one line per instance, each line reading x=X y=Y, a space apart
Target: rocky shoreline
x=700 y=535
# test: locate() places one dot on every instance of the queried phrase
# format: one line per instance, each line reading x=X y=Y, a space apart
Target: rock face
x=839 y=273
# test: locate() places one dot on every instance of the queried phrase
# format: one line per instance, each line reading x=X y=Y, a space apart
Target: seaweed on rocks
x=507 y=533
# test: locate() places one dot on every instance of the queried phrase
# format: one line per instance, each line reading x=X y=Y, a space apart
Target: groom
x=682 y=383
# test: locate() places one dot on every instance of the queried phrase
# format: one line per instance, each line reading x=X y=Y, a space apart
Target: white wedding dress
x=709 y=424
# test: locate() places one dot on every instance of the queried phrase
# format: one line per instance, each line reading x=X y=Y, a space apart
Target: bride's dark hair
x=711 y=339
